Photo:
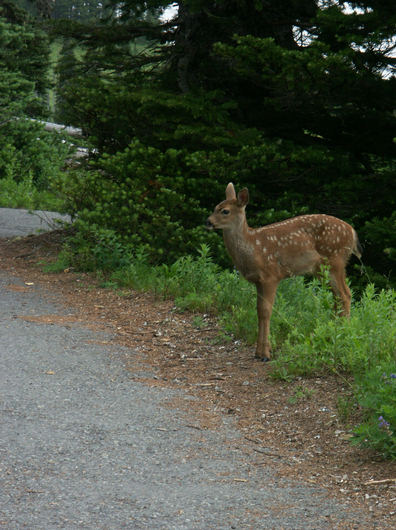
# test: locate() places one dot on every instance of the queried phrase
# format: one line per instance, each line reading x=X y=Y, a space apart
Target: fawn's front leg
x=266 y=292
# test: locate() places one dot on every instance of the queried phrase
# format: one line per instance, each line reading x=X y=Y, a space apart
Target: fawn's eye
x=225 y=212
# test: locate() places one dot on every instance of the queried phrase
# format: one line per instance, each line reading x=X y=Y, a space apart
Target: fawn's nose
x=209 y=224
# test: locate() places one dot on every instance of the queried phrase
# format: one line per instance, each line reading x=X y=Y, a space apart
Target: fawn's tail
x=357 y=248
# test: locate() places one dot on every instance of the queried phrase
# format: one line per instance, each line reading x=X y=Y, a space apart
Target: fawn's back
x=300 y=245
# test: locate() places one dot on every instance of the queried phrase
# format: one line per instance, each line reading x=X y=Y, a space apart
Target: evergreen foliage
x=23 y=72
x=29 y=157
x=293 y=99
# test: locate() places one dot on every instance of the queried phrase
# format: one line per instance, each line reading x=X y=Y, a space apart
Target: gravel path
x=83 y=445
x=14 y=222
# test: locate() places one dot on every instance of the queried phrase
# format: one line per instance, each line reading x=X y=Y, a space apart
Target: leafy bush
x=142 y=195
x=95 y=249
x=376 y=393
x=30 y=160
x=161 y=198
x=307 y=337
x=317 y=345
x=24 y=194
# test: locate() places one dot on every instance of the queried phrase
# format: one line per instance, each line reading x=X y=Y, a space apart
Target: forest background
x=294 y=99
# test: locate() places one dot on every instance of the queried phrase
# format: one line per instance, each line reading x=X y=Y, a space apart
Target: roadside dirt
x=296 y=427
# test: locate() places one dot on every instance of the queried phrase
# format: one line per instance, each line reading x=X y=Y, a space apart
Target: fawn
x=297 y=246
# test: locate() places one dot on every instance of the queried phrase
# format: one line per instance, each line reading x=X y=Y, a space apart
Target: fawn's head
x=231 y=212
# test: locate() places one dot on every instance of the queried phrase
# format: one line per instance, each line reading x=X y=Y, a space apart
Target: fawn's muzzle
x=209 y=224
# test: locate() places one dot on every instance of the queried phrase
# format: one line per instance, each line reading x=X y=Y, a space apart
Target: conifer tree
x=298 y=95
x=24 y=59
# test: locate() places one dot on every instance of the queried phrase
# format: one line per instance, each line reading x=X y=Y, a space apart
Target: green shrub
x=17 y=194
x=95 y=249
x=160 y=197
x=138 y=274
x=30 y=160
x=141 y=196
x=353 y=345
x=376 y=394
x=24 y=194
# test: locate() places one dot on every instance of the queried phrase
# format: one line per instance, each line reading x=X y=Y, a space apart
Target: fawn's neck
x=239 y=245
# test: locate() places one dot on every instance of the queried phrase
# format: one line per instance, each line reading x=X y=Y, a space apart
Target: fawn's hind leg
x=341 y=291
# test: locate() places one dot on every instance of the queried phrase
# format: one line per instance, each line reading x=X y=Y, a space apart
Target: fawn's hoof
x=263 y=359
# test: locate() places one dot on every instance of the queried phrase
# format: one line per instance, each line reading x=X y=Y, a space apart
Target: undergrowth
x=24 y=194
x=307 y=338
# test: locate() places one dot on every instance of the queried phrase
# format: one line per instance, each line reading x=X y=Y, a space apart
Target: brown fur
x=297 y=246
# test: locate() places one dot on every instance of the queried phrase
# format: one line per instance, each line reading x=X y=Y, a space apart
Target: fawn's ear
x=230 y=192
x=243 y=197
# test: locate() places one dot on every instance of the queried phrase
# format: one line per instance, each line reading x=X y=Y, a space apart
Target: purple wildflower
x=382 y=423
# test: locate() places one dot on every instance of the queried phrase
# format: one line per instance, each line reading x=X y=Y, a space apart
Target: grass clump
x=196 y=283
x=322 y=343
x=25 y=194
x=375 y=390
